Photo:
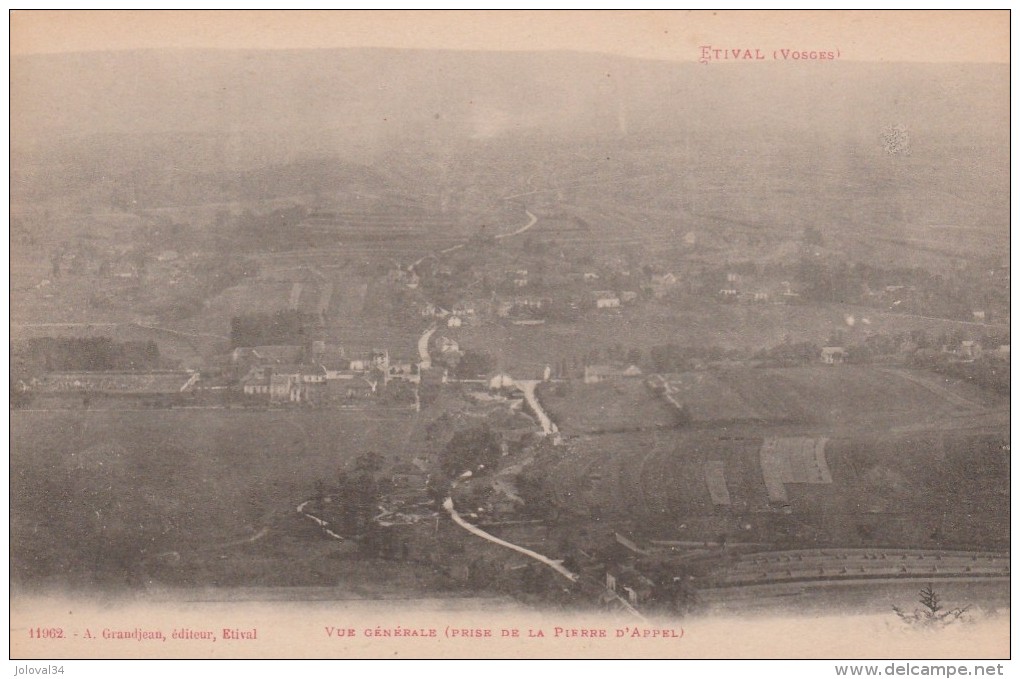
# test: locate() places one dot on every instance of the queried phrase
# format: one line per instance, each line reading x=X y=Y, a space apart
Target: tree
x=812 y=236
x=673 y=589
x=931 y=614
x=286 y=326
x=472 y=364
x=369 y=462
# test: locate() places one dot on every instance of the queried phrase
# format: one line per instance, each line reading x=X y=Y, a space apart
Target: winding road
x=555 y=565
x=321 y=523
x=532 y=220
x=548 y=427
x=541 y=558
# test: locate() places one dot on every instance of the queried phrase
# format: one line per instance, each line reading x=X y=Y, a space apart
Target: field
x=181 y=497
x=524 y=351
x=935 y=490
x=806 y=456
x=190 y=350
x=353 y=320
x=834 y=396
x=606 y=406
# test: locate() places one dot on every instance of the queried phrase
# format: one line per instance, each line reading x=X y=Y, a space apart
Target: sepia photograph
x=510 y=334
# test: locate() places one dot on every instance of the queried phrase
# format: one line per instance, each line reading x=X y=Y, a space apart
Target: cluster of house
x=609 y=299
x=462 y=313
x=737 y=289
x=965 y=351
x=970 y=350
x=118 y=263
x=319 y=373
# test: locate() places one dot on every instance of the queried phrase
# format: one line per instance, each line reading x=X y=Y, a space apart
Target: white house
x=501 y=381
x=970 y=349
x=833 y=355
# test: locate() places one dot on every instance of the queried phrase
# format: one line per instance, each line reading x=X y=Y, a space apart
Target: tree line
x=90 y=354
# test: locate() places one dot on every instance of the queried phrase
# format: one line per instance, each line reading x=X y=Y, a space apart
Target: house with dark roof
x=601 y=373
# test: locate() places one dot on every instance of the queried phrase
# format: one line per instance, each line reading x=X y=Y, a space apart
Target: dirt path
x=423 y=346
x=532 y=220
x=319 y=522
x=528 y=387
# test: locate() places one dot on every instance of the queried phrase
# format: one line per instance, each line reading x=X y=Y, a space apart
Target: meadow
x=126 y=497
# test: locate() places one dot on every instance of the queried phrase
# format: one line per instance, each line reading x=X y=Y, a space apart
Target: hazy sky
x=675 y=35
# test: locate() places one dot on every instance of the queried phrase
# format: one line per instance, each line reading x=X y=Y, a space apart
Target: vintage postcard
x=509 y=334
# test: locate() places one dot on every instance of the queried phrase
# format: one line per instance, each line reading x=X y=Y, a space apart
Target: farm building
x=454 y=322
x=528 y=302
x=285 y=387
x=256 y=382
x=662 y=284
x=969 y=350
x=408 y=475
x=323 y=350
x=833 y=355
x=599 y=373
x=343 y=391
x=501 y=381
x=335 y=369
x=285 y=383
x=371 y=360
x=607 y=302
x=401 y=369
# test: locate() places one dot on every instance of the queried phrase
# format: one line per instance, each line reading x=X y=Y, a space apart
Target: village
x=490 y=438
